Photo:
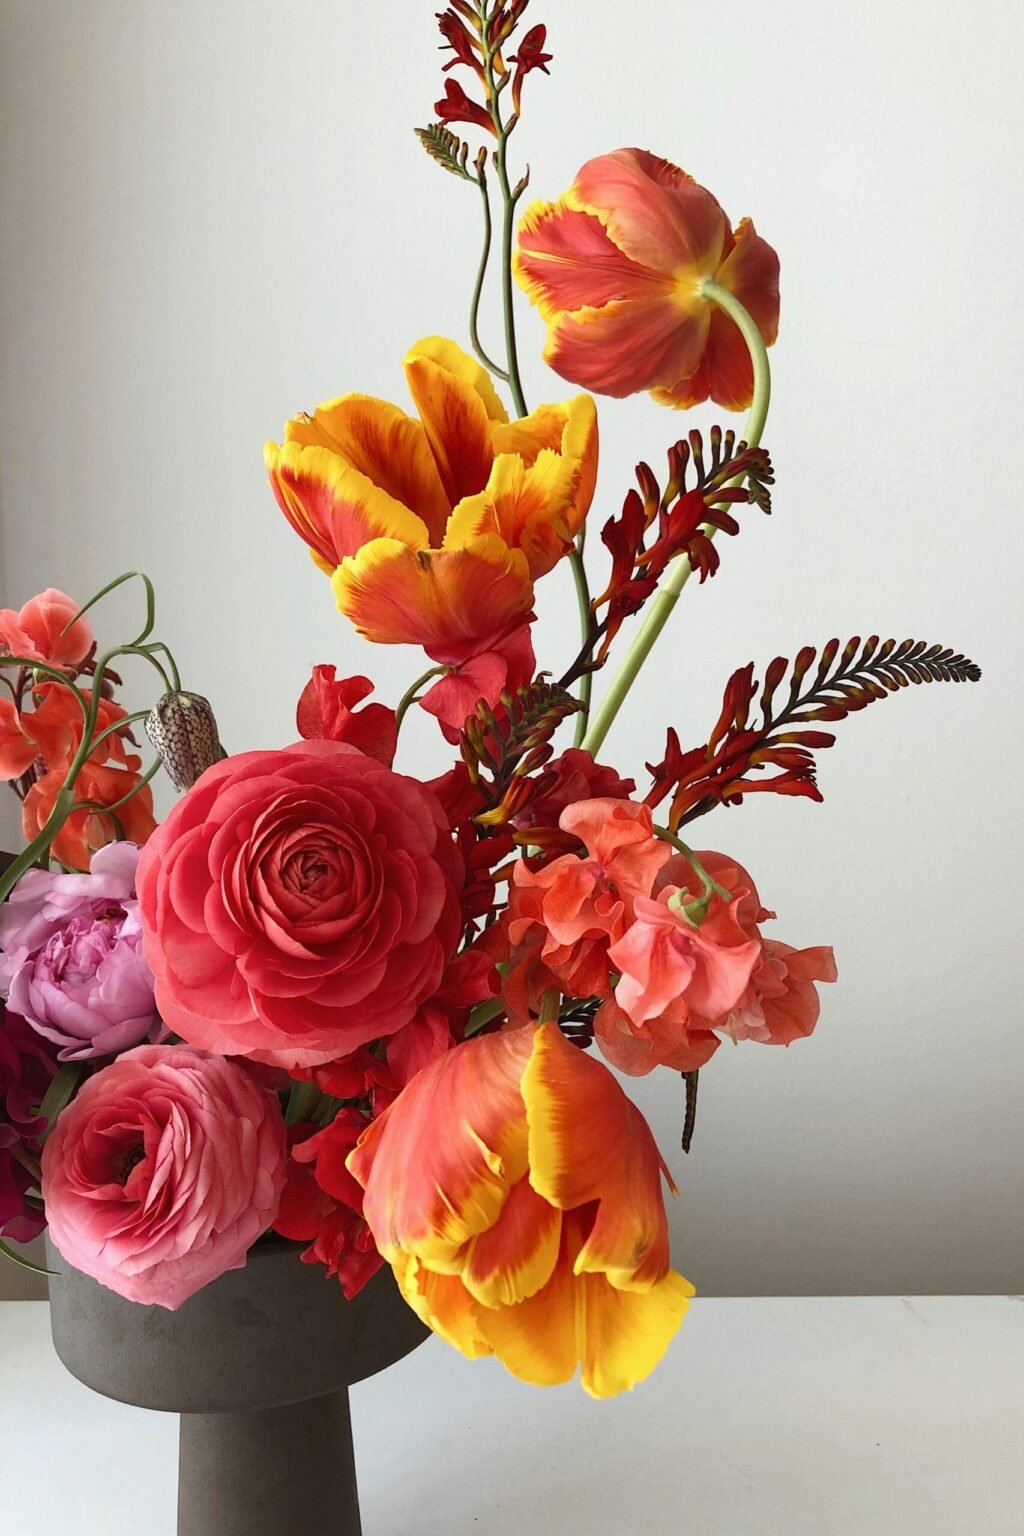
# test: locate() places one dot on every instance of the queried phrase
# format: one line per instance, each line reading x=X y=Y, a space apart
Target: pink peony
x=299 y=903
x=163 y=1171
x=71 y=958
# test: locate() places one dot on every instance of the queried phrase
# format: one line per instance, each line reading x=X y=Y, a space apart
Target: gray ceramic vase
x=258 y=1365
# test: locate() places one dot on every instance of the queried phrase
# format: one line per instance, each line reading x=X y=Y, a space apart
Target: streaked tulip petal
x=333 y=507
x=624 y=1334
x=457 y=403
x=444 y=1304
x=536 y=1340
x=631 y=345
x=396 y=595
x=566 y=260
x=384 y=444
x=589 y=1143
x=429 y=1192
x=514 y=1258
x=656 y=214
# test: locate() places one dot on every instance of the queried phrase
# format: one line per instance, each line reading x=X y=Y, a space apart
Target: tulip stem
x=681 y=570
x=509 y=199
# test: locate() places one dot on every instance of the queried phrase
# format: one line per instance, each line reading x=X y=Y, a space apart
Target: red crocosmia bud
x=531 y=55
x=456 y=107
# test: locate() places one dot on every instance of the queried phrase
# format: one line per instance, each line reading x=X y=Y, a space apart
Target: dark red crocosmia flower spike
x=456 y=107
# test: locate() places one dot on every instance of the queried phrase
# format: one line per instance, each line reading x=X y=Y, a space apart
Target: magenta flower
x=71 y=959
x=163 y=1171
x=27 y=1067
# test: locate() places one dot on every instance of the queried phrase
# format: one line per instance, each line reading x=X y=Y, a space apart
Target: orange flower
x=435 y=530
x=534 y=1229
x=42 y=630
x=98 y=784
x=616 y=268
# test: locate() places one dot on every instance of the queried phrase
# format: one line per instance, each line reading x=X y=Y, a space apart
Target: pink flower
x=163 y=1171
x=40 y=631
x=71 y=958
x=297 y=904
x=27 y=1067
x=662 y=958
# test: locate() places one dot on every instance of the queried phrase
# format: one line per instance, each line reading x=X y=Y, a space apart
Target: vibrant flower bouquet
x=376 y=1015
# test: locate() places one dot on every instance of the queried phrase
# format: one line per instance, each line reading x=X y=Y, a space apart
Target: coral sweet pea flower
x=534 y=1228
x=615 y=267
x=435 y=530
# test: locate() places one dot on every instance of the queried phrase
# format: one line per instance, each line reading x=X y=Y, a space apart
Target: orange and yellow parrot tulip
x=516 y=1192
x=615 y=267
x=434 y=530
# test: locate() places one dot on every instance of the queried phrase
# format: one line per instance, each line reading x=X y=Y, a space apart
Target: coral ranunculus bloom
x=434 y=530
x=534 y=1227
x=616 y=268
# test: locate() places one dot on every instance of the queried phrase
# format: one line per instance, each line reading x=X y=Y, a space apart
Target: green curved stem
x=579 y=576
x=474 y=311
x=680 y=570
x=509 y=199
x=411 y=694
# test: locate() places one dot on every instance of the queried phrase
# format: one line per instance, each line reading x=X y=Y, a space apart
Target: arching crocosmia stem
x=509 y=199
x=478 y=287
x=681 y=570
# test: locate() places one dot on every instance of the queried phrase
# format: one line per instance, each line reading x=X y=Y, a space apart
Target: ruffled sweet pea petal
x=384 y=444
x=398 y=595
x=333 y=507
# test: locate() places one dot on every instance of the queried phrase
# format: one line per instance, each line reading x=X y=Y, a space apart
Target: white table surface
x=822 y=1416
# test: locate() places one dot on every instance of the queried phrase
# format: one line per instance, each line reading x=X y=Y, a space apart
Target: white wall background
x=215 y=215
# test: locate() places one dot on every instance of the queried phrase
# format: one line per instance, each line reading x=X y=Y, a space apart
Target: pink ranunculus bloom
x=163 y=1171
x=297 y=904
x=71 y=959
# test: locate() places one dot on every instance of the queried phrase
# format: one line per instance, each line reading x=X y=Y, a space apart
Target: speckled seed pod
x=183 y=731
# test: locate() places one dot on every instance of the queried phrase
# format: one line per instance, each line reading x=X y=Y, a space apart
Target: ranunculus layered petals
x=163 y=1171
x=298 y=904
x=396 y=595
x=333 y=507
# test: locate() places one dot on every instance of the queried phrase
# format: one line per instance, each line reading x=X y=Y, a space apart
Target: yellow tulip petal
x=450 y=356
x=384 y=444
x=514 y=1258
x=456 y=414
x=536 y=1340
x=434 y=598
x=444 y=1304
x=333 y=507
x=624 y=1334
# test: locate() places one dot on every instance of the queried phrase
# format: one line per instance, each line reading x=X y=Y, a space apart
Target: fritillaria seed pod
x=183 y=731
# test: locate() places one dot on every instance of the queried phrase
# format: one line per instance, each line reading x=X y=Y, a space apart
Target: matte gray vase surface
x=258 y=1365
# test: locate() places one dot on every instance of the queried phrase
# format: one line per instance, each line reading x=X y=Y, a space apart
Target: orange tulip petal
x=654 y=212
x=513 y=1259
x=384 y=444
x=434 y=598
x=566 y=260
x=333 y=507
x=632 y=345
x=536 y=1340
x=444 y=1304
x=589 y=1143
x=624 y=1334
x=440 y=1173
x=457 y=403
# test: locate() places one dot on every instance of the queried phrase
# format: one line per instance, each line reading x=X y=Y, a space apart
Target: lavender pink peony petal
x=163 y=1171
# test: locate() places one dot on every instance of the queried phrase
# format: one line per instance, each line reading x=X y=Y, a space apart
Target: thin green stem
x=509 y=199
x=550 y=1005
x=579 y=576
x=411 y=694
x=50 y=672
x=483 y=1014
x=706 y=880
x=303 y=1101
x=474 y=312
x=681 y=570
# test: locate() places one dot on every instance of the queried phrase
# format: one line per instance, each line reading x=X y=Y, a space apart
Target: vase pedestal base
x=277 y=1472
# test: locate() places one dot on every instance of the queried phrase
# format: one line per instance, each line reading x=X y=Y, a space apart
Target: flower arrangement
x=326 y=999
